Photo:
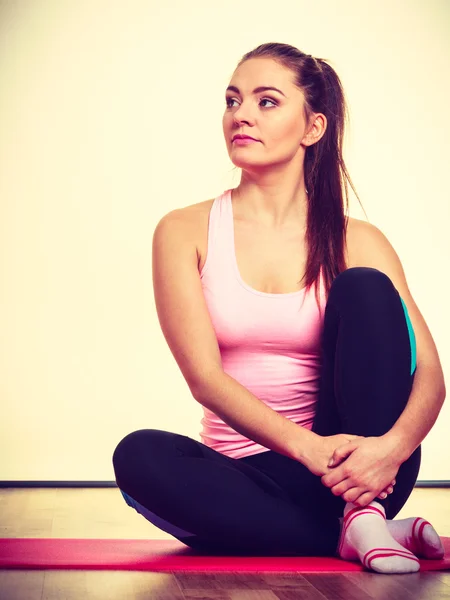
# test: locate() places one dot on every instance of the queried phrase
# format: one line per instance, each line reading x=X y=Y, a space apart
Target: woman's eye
x=268 y=100
x=262 y=100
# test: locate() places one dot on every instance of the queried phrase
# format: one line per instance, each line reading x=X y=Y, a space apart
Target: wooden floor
x=102 y=513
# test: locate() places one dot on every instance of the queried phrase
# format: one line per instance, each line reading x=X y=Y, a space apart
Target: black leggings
x=270 y=504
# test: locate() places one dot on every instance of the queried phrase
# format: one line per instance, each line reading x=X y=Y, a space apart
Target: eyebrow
x=263 y=88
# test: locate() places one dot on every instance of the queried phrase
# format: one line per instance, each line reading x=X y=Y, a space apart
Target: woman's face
x=273 y=118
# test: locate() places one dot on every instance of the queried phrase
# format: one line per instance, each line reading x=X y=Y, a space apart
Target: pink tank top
x=269 y=343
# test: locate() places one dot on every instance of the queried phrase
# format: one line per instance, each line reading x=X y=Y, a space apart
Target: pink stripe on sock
x=398 y=551
x=387 y=555
x=416 y=537
x=414 y=526
x=352 y=514
x=416 y=543
x=421 y=528
x=420 y=536
x=361 y=511
x=346 y=524
x=358 y=509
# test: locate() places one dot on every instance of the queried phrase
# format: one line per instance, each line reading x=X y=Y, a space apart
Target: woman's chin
x=247 y=164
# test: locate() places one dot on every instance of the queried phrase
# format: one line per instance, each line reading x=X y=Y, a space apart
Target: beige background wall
x=110 y=117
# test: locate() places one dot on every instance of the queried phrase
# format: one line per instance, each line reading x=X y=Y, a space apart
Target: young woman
x=289 y=380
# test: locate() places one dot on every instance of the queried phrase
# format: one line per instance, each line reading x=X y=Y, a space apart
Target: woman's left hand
x=370 y=466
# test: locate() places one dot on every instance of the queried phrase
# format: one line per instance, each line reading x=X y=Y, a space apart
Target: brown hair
x=325 y=170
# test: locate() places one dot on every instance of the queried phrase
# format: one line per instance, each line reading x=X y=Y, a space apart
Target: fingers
x=356 y=494
x=365 y=499
x=342 y=487
x=358 y=497
x=384 y=493
x=388 y=490
x=340 y=453
x=351 y=494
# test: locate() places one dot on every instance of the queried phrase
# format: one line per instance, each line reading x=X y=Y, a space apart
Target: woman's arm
x=371 y=248
x=372 y=461
x=420 y=414
x=189 y=332
x=247 y=414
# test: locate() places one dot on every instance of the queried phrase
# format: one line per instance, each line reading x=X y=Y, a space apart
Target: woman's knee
x=143 y=442
x=145 y=447
x=361 y=280
x=358 y=276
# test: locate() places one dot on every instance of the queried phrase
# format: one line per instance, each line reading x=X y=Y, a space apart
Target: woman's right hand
x=321 y=449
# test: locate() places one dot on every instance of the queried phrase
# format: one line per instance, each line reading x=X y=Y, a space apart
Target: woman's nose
x=240 y=117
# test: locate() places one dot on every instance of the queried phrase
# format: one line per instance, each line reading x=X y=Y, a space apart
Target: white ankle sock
x=365 y=536
x=418 y=536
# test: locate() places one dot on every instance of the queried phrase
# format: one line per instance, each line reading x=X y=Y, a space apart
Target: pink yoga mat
x=163 y=555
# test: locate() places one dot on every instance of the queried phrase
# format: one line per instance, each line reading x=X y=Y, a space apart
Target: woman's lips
x=243 y=141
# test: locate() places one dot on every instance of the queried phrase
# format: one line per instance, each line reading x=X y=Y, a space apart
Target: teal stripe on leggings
x=412 y=338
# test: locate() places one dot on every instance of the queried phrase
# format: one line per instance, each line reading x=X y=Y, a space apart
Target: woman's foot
x=418 y=536
x=365 y=536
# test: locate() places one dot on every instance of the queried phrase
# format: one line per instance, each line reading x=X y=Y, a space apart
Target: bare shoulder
x=198 y=211
x=192 y=223
x=190 y=217
x=357 y=232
